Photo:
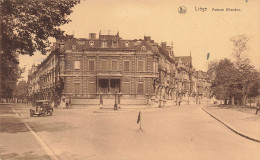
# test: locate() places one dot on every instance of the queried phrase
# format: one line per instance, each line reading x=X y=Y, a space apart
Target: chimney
x=163 y=45
x=147 y=38
x=92 y=35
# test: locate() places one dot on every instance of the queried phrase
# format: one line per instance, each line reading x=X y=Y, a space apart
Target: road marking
x=38 y=138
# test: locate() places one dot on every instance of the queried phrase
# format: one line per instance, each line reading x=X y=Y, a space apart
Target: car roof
x=43 y=101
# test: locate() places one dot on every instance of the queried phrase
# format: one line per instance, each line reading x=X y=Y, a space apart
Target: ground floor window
x=126 y=88
x=92 y=87
x=140 y=88
x=77 y=88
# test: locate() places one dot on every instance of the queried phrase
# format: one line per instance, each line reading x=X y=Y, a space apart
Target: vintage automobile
x=43 y=108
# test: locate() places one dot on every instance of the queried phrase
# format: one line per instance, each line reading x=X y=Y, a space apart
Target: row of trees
x=235 y=80
x=25 y=27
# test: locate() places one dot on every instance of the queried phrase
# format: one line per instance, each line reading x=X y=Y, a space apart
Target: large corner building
x=104 y=69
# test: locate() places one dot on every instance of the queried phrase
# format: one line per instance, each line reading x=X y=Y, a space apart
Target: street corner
x=241 y=123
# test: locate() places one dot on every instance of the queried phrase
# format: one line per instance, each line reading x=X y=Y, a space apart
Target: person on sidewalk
x=257 y=108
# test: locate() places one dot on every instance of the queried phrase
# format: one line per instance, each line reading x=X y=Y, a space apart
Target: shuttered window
x=126 y=66
x=77 y=88
x=126 y=88
x=91 y=65
x=140 y=88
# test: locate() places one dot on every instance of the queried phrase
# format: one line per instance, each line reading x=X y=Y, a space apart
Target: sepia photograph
x=129 y=80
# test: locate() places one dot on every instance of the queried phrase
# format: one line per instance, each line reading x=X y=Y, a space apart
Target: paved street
x=16 y=141
x=180 y=133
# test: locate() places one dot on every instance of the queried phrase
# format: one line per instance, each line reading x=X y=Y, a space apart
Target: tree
x=28 y=24
x=229 y=81
x=21 y=90
x=240 y=46
x=26 y=27
x=247 y=72
x=224 y=81
x=10 y=72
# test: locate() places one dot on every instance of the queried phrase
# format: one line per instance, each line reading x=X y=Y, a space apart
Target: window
x=140 y=88
x=67 y=64
x=91 y=43
x=91 y=87
x=114 y=65
x=104 y=44
x=91 y=65
x=126 y=44
x=77 y=65
x=140 y=66
x=155 y=68
x=127 y=87
x=143 y=48
x=103 y=65
x=114 y=44
x=126 y=66
x=77 y=87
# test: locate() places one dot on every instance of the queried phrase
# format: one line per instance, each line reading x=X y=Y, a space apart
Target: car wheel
x=31 y=113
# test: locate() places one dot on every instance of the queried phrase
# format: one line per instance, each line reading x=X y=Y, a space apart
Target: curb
x=44 y=146
x=231 y=128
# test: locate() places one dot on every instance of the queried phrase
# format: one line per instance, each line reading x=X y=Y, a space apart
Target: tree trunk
x=244 y=100
x=232 y=100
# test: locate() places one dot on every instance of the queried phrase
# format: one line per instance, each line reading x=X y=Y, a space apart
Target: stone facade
x=203 y=87
x=107 y=69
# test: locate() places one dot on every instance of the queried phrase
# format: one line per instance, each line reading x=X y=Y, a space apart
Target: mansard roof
x=184 y=59
x=166 y=53
x=110 y=40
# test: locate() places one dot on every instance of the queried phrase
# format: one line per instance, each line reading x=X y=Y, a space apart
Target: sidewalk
x=244 y=124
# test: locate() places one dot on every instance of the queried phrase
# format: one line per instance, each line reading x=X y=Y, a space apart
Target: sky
x=196 y=32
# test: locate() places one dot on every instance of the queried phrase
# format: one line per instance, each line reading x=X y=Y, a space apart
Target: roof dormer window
x=114 y=44
x=91 y=43
x=143 y=48
x=103 y=44
x=126 y=44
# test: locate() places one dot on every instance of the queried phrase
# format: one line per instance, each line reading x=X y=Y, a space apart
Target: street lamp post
x=115 y=105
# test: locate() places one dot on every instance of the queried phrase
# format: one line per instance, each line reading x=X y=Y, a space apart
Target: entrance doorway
x=109 y=85
x=103 y=85
x=115 y=85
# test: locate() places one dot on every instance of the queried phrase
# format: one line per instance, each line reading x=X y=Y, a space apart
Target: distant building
x=203 y=87
x=185 y=80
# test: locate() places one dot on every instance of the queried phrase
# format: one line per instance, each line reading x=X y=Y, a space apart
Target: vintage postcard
x=130 y=80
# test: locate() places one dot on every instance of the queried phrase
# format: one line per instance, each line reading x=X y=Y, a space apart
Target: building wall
x=82 y=82
x=84 y=69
